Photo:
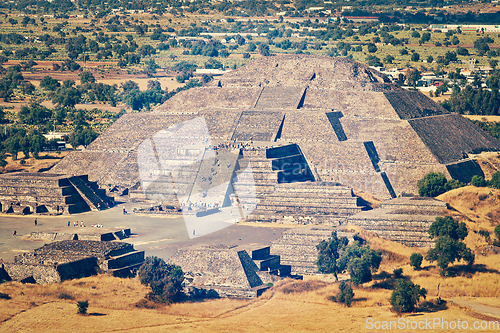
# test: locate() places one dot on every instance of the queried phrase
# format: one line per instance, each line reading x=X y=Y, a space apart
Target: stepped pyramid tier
x=229 y=270
x=346 y=122
x=26 y=193
x=297 y=247
x=405 y=220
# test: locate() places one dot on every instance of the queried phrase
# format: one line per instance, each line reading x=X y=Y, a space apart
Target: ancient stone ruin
x=47 y=193
x=71 y=259
x=229 y=270
x=297 y=247
x=403 y=220
x=342 y=122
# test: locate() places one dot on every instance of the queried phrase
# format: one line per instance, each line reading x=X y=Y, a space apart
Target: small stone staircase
x=124 y=264
x=266 y=262
x=91 y=194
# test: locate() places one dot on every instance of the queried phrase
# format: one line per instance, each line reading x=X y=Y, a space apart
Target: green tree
x=413 y=76
x=37 y=142
x=373 y=61
x=67 y=95
x=406 y=295
x=86 y=77
x=372 y=48
x=388 y=59
x=430 y=59
x=3 y=161
x=329 y=254
x=416 y=260
x=264 y=49
x=415 y=57
x=448 y=247
x=359 y=261
x=34 y=114
x=129 y=85
x=82 y=136
x=462 y=51
x=447 y=226
x=432 y=185
x=165 y=280
x=48 y=83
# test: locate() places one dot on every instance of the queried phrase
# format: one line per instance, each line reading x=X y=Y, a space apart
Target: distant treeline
x=63 y=8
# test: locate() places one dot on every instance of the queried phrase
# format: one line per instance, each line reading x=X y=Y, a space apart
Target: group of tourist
x=200 y=204
x=77 y=224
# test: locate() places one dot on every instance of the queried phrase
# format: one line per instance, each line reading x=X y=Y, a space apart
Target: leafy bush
x=164 y=279
x=406 y=296
x=495 y=180
x=345 y=295
x=398 y=273
x=478 y=181
x=434 y=184
x=4 y=296
x=497 y=231
x=416 y=260
x=82 y=307
x=431 y=185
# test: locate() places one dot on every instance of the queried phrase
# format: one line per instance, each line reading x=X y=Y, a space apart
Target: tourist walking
x=15 y=233
x=36 y=223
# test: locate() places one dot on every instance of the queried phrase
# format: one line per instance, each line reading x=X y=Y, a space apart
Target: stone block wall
x=42 y=274
x=127 y=259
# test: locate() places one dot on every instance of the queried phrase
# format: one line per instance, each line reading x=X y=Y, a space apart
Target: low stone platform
x=403 y=220
x=229 y=270
x=70 y=259
x=48 y=193
x=297 y=247
x=308 y=203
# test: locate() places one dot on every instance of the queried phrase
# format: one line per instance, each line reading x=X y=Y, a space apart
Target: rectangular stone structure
x=258 y=126
x=280 y=98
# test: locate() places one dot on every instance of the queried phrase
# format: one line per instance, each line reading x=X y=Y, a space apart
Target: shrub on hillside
x=345 y=295
x=164 y=279
x=434 y=184
x=82 y=307
x=406 y=296
x=478 y=181
x=416 y=261
x=497 y=231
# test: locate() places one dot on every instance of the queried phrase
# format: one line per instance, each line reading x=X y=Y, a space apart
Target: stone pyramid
x=351 y=126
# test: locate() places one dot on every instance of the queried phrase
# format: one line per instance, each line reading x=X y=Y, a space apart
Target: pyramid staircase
x=95 y=198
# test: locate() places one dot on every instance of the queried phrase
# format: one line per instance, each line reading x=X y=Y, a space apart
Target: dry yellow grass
x=480 y=206
x=32 y=164
x=306 y=308
x=494 y=119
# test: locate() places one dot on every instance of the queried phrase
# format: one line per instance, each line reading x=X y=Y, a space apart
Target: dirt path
x=478 y=307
